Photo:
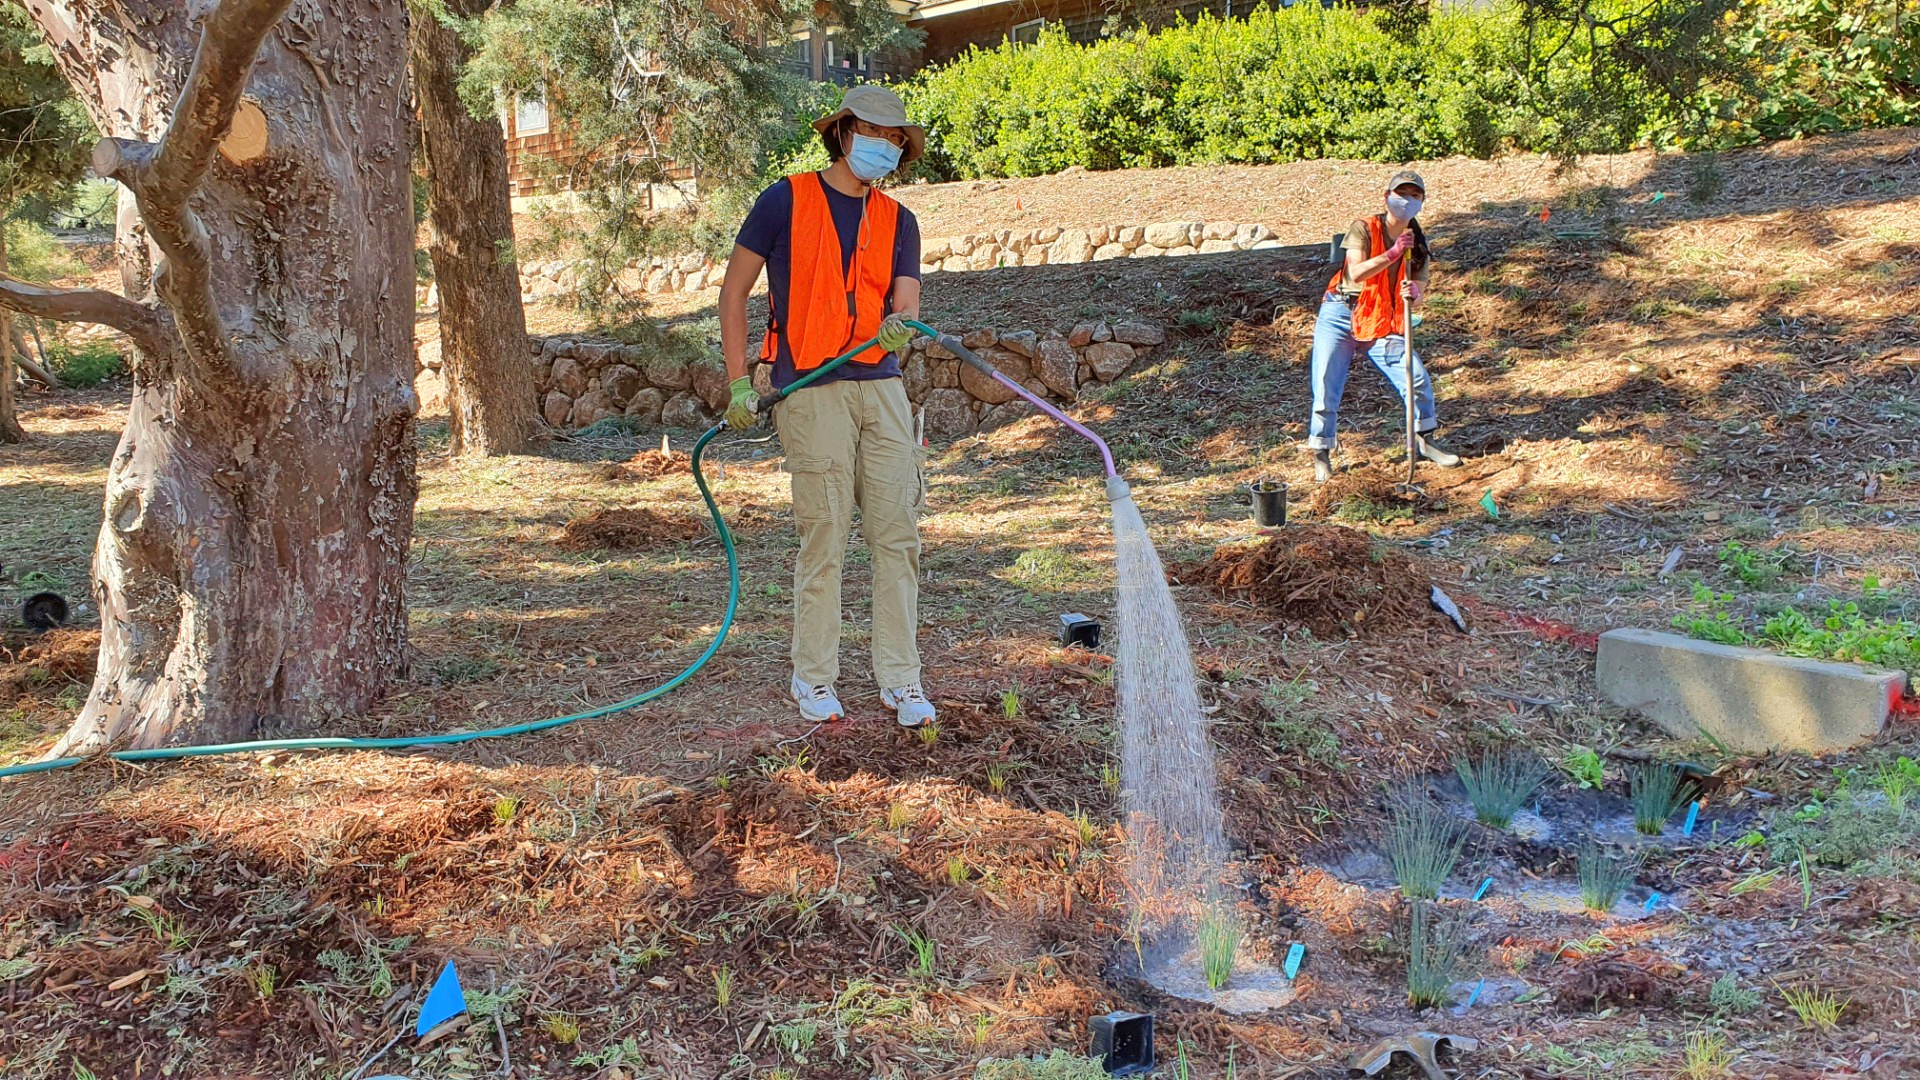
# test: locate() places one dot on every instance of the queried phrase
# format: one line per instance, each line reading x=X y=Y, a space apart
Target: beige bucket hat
x=879 y=105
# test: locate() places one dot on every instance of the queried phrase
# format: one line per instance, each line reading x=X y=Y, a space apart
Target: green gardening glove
x=895 y=335
x=740 y=410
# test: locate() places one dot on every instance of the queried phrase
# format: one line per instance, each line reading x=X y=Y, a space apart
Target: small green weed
x=796 y=1037
x=263 y=978
x=1052 y=569
x=1010 y=703
x=505 y=809
x=1709 y=620
x=1110 y=777
x=1294 y=725
x=1584 y=767
x=722 y=986
x=1752 y=566
x=1059 y=1065
x=899 y=815
x=1728 y=997
x=929 y=734
x=957 y=871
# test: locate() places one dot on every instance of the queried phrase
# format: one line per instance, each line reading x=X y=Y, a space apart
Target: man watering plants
x=1366 y=307
x=843 y=267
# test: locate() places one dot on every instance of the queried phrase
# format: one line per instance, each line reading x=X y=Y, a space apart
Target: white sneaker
x=909 y=703
x=818 y=704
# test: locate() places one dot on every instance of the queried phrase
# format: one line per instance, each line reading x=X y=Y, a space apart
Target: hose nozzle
x=1117 y=489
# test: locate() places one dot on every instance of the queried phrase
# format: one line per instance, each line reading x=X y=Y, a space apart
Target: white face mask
x=1404 y=208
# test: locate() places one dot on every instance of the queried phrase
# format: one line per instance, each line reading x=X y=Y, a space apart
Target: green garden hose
x=398 y=742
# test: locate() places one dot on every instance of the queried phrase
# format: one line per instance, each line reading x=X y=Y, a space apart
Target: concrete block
x=1748 y=699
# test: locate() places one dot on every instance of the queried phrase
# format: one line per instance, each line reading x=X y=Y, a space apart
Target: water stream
x=1177 y=852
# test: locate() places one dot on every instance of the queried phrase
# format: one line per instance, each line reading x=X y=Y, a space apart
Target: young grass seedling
x=1707 y=1056
x=997 y=774
x=563 y=1029
x=1010 y=702
x=1437 y=955
x=1604 y=877
x=957 y=872
x=722 y=986
x=1084 y=830
x=1219 y=942
x=924 y=952
x=1658 y=792
x=263 y=978
x=929 y=734
x=505 y=809
x=1814 y=1007
x=1110 y=778
x=899 y=816
x=1424 y=843
x=1501 y=784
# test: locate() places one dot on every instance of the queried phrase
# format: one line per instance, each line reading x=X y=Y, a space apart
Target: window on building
x=1026 y=33
x=803 y=51
x=530 y=114
x=844 y=59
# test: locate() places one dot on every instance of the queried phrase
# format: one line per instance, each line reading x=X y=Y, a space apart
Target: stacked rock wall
x=1054 y=246
x=581 y=381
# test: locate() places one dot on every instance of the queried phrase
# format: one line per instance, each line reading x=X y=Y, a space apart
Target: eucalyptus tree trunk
x=10 y=429
x=483 y=330
x=250 y=568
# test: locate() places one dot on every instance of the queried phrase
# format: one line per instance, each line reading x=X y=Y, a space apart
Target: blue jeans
x=1333 y=349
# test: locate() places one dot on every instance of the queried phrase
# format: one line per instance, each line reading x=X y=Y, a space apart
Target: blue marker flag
x=1484 y=886
x=1693 y=818
x=1476 y=993
x=1653 y=900
x=444 y=1002
x=1295 y=953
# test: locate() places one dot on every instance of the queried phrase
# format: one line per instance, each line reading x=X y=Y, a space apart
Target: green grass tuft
x=1604 y=877
x=1658 y=792
x=1219 y=942
x=1437 y=953
x=1424 y=843
x=1501 y=784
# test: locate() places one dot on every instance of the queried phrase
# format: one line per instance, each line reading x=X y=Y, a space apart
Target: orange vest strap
x=828 y=308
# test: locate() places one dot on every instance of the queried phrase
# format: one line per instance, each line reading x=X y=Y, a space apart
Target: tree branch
x=163 y=176
x=140 y=323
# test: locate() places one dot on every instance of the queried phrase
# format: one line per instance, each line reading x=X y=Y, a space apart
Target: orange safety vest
x=829 y=309
x=1379 y=311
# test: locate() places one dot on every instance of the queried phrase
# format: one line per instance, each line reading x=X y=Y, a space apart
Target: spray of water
x=1177 y=849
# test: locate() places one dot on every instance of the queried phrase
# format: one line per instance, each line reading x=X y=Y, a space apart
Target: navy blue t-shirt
x=768 y=233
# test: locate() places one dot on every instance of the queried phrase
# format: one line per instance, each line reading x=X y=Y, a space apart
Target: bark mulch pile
x=1329 y=578
x=29 y=662
x=629 y=528
x=649 y=465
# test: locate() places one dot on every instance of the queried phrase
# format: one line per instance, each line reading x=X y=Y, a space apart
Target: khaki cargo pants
x=850 y=444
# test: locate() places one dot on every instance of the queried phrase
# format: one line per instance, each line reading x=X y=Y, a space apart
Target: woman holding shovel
x=1366 y=306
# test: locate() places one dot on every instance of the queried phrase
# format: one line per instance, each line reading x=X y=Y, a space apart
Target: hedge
x=1312 y=82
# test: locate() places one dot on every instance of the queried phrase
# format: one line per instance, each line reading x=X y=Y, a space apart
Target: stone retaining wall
x=544 y=278
x=581 y=381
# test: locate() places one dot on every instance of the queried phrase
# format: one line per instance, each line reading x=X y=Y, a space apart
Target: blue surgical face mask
x=871 y=158
x=1404 y=208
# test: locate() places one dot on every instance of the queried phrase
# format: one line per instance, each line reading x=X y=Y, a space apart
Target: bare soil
x=707 y=887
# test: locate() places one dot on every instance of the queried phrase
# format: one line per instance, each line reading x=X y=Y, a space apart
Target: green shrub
x=1311 y=82
x=86 y=365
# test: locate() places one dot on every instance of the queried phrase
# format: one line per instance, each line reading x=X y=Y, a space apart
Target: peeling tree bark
x=249 y=572
x=483 y=329
x=10 y=430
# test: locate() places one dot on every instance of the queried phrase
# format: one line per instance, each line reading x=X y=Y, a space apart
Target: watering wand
x=1116 y=487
